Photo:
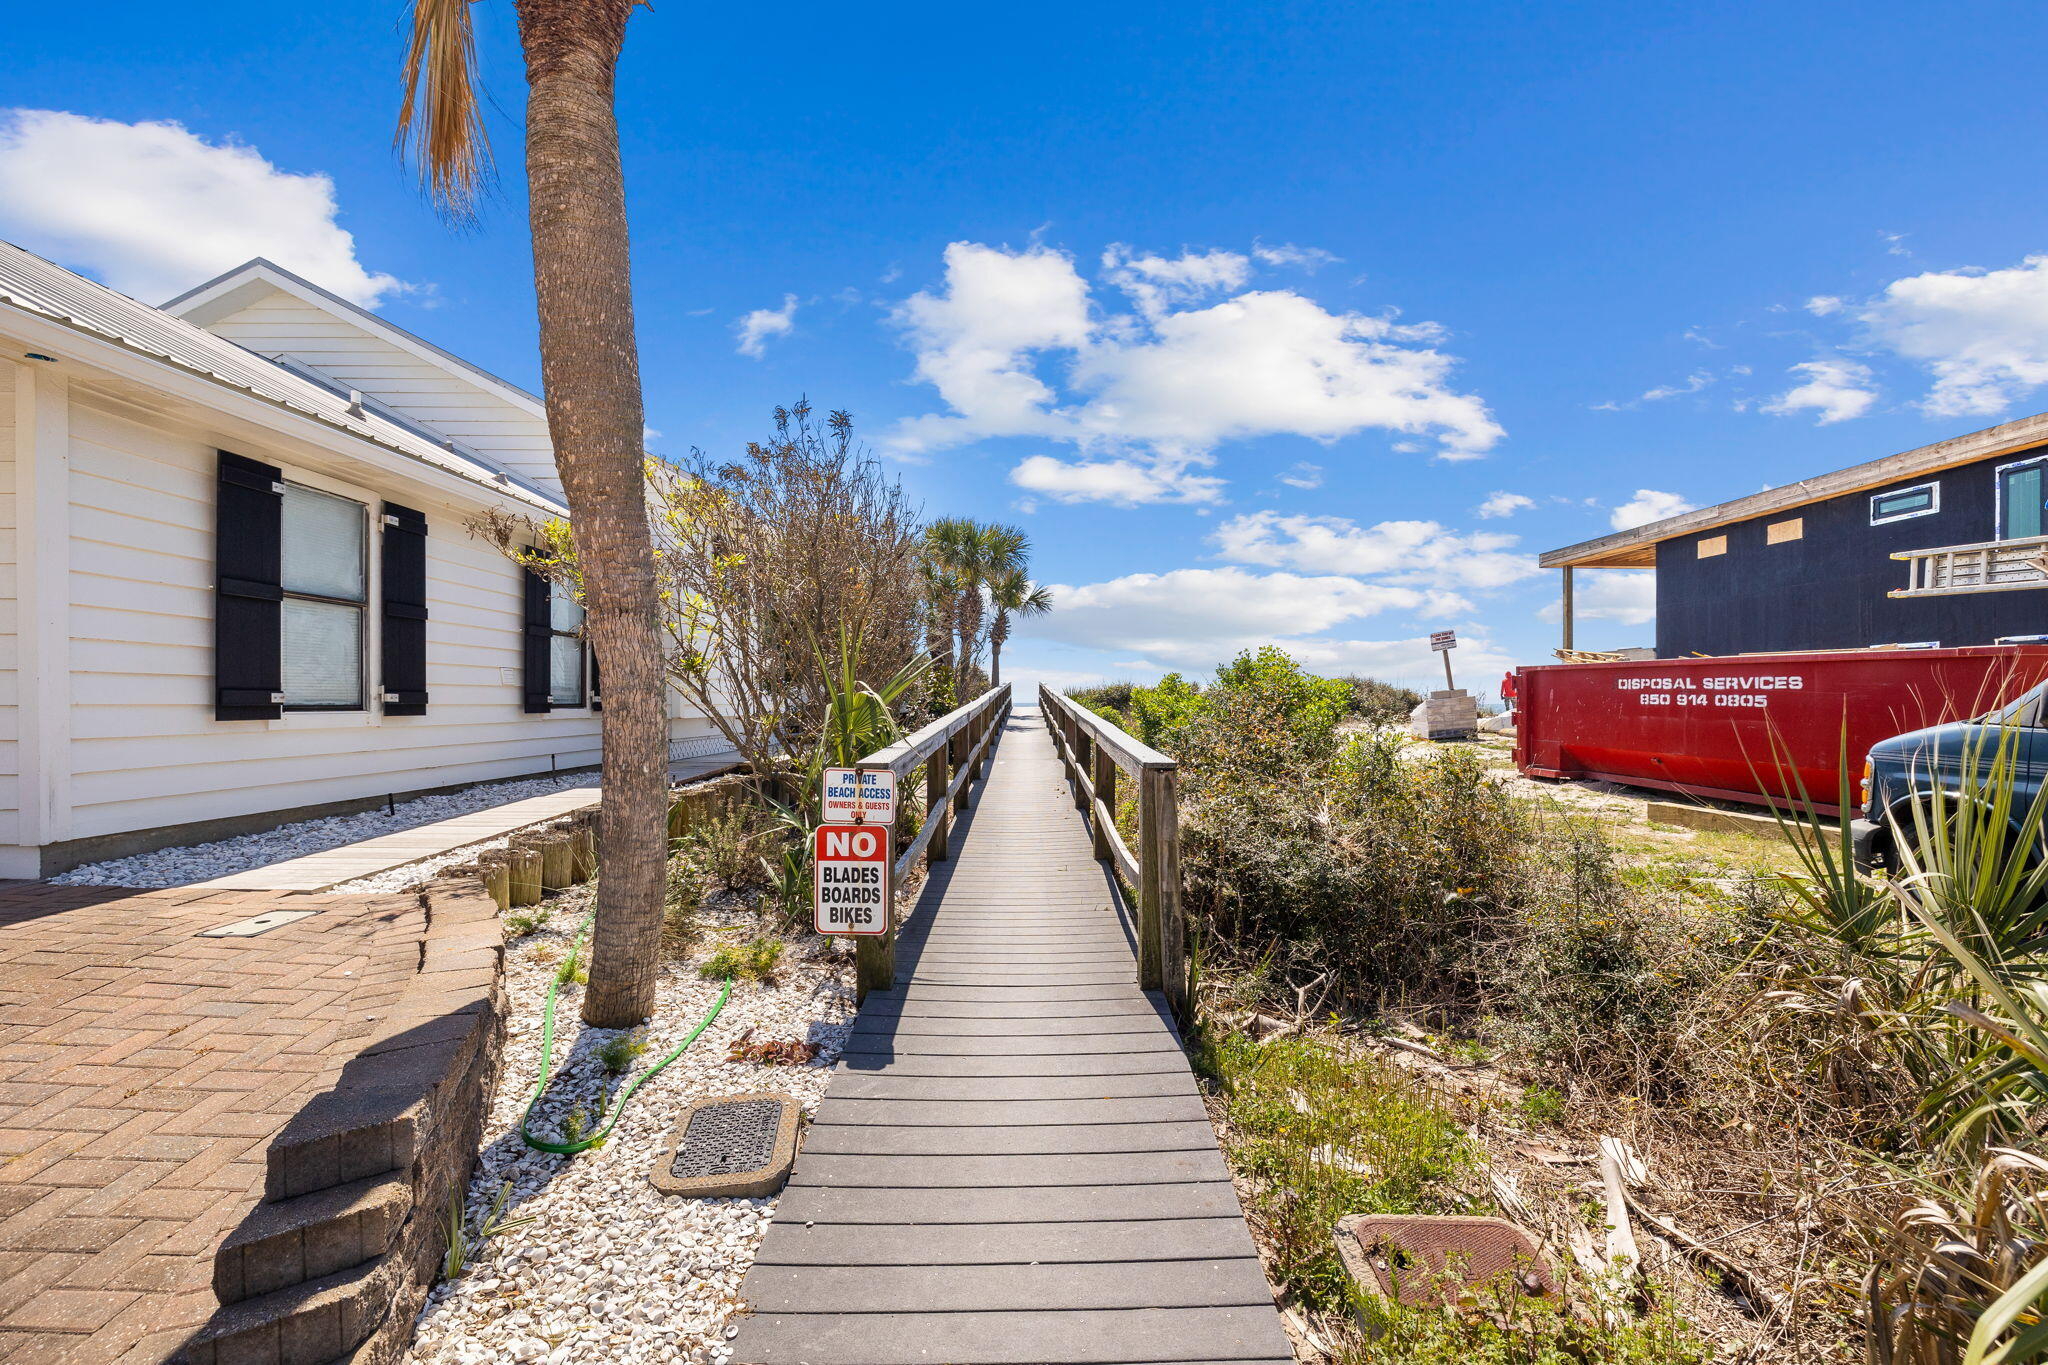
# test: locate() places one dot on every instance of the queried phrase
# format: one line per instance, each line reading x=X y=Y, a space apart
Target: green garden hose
x=547 y=1060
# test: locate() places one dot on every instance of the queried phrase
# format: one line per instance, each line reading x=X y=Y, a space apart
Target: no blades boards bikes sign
x=850 y=879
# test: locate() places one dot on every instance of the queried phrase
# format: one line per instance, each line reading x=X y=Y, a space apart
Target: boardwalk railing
x=954 y=750
x=1094 y=752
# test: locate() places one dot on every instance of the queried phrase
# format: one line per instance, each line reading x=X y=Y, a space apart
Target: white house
x=237 y=583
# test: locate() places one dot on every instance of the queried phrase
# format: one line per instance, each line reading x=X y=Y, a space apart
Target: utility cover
x=731 y=1147
x=1424 y=1260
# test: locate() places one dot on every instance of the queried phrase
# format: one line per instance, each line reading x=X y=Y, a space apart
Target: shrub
x=617 y=1053
x=755 y=961
x=520 y=923
x=1321 y=1134
x=1378 y=703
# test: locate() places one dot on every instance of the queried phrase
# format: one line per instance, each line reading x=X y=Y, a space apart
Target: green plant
x=719 y=848
x=1319 y=1134
x=618 y=1053
x=572 y=971
x=753 y=961
x=466 y=1239
x=576 y=1124
x=520 y=923
x=1541 y=1104
x=1496 y=1323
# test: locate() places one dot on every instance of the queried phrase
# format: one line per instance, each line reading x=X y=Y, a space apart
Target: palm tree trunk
x=591 y=368
x=995 y=664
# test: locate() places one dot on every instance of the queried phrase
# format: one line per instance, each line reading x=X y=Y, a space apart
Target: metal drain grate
x=728 y=1138
x=731 y=1146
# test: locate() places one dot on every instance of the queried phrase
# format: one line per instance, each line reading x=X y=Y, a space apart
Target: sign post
x=850 y=891
x=1443 y=642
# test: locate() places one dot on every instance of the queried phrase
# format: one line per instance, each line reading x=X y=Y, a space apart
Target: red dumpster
x=1707 y=726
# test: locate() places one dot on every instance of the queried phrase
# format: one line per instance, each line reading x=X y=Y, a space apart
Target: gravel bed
x=203 y=862
x=611 y=1269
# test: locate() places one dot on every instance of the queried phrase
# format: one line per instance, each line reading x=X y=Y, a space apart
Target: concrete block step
x=310 y=1236
x=313 y=1323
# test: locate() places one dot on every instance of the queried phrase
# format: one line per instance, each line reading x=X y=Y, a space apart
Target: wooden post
x=1104 y=775
x=1567 y=572
x=557 y=861
x=1084 y=746
x=1162 y=841
x=957 y=748
x=935 y=809
x=525 y=876
x=1151 y=875
x=496 y=876
x=874 y=959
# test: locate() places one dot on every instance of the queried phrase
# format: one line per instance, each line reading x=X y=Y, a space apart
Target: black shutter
x=538 y=635
x=596 y=691
x=248 y=566
x=405 y=611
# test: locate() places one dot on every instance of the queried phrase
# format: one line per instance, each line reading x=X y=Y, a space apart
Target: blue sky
x=1294 y=322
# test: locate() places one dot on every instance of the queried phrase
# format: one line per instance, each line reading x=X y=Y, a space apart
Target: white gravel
x=203 y=862
x=612 y=1270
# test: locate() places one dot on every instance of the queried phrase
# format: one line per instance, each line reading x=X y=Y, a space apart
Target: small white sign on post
x=850 y=879
x=1443 y=639
x=853 y=797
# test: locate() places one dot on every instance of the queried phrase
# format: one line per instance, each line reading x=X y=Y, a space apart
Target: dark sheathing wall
x=536 y=644
x=248 y=674
x=1827 y=590
x=404 y=588
x=596 y=684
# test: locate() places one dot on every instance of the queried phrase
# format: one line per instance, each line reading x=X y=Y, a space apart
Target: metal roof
x=1636 y=548
x=47 y=290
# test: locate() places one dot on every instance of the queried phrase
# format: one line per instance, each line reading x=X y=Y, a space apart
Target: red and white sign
x=850 y=891
x=851 y=796
x=1443 y=639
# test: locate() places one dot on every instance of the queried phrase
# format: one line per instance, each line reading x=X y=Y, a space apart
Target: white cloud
x=1646 y=506
x=1420 y=553
x=1625 y=595
x=1823 y=305
x=1309 y=258
x=1168 y=384
x=1837 y=389
x=1126 y=483
x=153 y=209
x=1303 y=475
x=755 y=328
x=1156 y=282
x=1982 y=334
x=1503 y=505
x=1194 y=619
x=1694 y=382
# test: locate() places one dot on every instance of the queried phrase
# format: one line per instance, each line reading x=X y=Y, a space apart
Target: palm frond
x=440 y=120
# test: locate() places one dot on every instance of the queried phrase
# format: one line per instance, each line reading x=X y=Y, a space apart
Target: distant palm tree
x=590 y=367
x=969 y=556
x=1015 y=597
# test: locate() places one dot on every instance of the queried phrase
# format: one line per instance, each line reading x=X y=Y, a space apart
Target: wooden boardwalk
x=1013 y=1163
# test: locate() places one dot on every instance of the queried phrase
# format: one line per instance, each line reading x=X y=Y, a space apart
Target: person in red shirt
x=1507 y=691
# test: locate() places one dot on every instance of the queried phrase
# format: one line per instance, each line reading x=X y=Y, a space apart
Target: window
x=1778 y=532
x=1713 y=545
x=325 y=576
x=565 y=646
x=1900 y=503
x=2021 y=499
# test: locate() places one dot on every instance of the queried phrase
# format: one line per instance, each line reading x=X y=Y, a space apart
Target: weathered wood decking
x=1012 y=1164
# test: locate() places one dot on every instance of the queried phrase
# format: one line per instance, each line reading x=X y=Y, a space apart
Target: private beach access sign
x=850 y=891
x=852 y=796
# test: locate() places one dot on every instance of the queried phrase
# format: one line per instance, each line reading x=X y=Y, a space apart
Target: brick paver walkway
x=143 y=1070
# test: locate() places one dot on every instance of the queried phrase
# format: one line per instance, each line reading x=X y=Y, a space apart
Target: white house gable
x=272 y=312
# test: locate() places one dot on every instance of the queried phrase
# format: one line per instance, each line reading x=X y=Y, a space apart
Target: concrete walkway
x=1013 y=1163
x=368 y=857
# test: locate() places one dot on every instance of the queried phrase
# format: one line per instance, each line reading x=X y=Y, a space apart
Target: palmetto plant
x=591 y=368
x=1941 y=969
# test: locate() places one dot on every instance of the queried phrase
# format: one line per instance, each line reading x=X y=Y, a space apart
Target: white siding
x=145 y=748
x=436 y=396
x=10 y=644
